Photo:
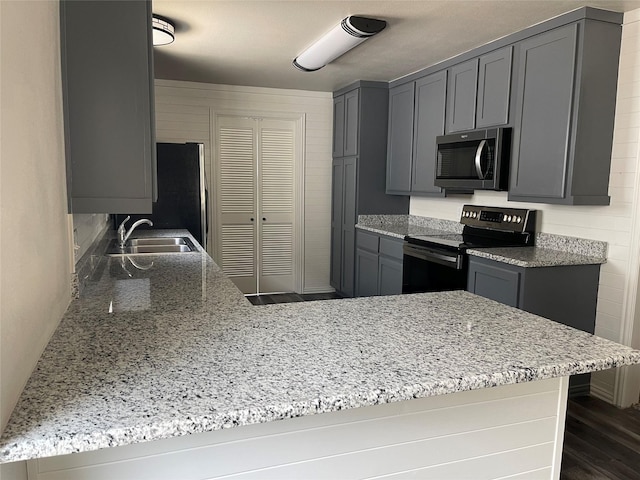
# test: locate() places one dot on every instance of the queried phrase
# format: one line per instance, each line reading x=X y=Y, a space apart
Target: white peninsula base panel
x=512 y=431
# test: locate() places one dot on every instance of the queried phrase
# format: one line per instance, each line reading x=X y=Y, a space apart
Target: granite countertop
x=531 y=257
x=399 y=226
x=176 y=349
x=549 y=250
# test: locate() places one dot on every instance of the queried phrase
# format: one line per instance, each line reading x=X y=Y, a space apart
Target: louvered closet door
x=276 y=160
x=237 y=200
x=256 y=194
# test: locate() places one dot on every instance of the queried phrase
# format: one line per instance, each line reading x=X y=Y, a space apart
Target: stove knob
x=504 y=218
x=475 y=214
x=518 y=219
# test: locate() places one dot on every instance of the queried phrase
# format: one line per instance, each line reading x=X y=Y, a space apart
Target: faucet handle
x=121 y=231
x=124 y=221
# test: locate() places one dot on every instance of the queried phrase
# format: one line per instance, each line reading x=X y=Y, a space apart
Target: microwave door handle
x=478 y=157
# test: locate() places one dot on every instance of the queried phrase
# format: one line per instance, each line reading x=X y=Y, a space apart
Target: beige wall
x=35 y=255
x=613 y=224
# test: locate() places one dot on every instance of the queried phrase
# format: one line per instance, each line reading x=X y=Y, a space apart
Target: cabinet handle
x=252 y=219
x=264 y=219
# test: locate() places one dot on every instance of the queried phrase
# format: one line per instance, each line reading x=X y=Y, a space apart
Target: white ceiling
x=252 y=42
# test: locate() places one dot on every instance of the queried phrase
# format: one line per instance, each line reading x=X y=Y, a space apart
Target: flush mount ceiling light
x=163 y=30
x=349 y=33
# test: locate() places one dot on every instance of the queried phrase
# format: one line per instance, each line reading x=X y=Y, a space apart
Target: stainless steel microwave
x=475 y=160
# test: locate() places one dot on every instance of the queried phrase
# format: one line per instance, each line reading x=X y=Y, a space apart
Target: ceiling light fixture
x=163 y=30
x=349 y=33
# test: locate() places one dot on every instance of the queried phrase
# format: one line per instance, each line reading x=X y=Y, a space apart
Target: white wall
x=613 y=223
x=183 y=114
x=35 y=276
x=86 y=228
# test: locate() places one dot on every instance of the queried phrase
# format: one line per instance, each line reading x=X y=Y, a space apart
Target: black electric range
x=439 y=262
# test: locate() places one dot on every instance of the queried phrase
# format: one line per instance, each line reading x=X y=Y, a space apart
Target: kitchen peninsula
x=165 y=348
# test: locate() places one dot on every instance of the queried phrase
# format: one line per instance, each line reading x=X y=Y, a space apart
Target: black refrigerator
x=182 y=191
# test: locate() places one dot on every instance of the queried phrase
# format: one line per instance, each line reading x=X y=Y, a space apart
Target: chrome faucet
x=122 y=236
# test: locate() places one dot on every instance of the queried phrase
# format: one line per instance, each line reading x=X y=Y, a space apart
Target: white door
x=255 y=201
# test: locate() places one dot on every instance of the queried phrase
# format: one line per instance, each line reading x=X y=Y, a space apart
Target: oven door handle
x=429 y=255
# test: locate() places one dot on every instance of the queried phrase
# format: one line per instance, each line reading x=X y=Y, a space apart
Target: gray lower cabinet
x=378 y=264
x=358 y=181
x=565 y=294
x=563 y=131
x=107 y=77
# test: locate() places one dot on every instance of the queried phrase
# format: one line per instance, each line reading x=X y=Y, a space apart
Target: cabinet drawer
x=391 y=247
x=367 y=241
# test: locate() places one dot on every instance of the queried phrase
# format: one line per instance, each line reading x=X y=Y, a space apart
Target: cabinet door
x=337 y=194
x=351 y=112
x=349 y=225
x=389 y=276
x=400 y=139
x=461 y=96
x=338 y=126
x=108 y=105
x=366 y=273
x=496 y=281
x=431 y=94
x=494 y=88
x=544 y=105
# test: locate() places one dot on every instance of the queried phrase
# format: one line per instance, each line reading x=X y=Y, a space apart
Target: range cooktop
x=485 y=227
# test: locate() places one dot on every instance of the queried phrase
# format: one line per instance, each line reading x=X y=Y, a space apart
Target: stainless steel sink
x=136 y=242
x=152 y=245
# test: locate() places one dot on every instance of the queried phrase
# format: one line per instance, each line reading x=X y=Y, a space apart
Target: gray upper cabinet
x=563 y=137
x=400 y=139
x=479 y=92
x=416 y=118
x=428 y=123
x=338 y=126
x=359 y=180
x=494 y=88
x=461 y=99
x=108 y=105
x=345 y=124
x=351 y=123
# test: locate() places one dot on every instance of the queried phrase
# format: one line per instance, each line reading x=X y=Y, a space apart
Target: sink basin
x=152 y=246
x=159 y=241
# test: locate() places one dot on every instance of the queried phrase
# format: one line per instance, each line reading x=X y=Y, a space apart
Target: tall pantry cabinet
x=358 y=173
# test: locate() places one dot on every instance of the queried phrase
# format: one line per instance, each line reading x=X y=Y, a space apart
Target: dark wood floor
x=601 y=441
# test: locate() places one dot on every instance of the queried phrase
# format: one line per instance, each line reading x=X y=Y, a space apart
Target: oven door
x=432 y=269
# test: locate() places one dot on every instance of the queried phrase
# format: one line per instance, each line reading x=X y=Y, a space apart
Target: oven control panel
x=499 y=218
